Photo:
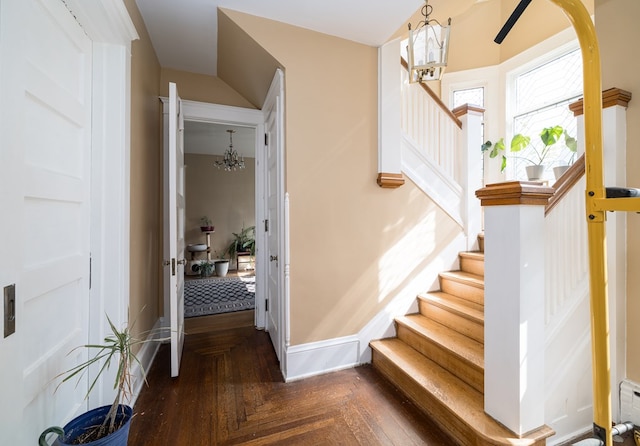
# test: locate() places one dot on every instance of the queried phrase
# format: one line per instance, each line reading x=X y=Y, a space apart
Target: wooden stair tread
x=461 y=401
x=476 y=255
x=473 y=280
x=458 y=344
x=465 y=308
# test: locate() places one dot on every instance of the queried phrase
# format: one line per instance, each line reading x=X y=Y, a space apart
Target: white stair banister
x=514 y=303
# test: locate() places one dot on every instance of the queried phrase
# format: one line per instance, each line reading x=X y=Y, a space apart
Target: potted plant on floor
x=221 y=265
x=205 y=268
x=243 y=241
x=106 y=425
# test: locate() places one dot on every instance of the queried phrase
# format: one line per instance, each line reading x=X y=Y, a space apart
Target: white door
x=273 y=193
x=45 y=165
x=174 y=226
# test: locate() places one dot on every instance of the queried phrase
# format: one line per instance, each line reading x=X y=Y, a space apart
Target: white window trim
x=496 y=79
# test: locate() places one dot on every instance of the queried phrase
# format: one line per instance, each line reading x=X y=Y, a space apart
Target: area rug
x=219 y=295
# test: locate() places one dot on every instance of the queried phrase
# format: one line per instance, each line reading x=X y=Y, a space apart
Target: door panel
x=275 y=315
x=45 y=131
x=174 y=227
x=273 y=268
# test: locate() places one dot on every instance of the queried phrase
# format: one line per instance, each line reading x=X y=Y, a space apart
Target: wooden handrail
x=610 y=97
x=434 y=96
x=564 y=184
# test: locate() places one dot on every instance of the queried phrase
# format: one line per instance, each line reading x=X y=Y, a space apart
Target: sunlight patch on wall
x=402 y=259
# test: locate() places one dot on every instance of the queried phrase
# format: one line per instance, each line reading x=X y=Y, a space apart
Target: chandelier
x=231 y=160
x=428 y=48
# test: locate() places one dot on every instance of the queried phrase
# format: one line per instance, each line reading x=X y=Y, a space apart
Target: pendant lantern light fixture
x=428 y=48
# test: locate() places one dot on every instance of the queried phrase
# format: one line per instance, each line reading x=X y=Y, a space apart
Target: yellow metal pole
x=585 y=30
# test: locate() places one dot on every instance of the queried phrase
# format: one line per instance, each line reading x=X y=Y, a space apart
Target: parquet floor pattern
x=230 y=392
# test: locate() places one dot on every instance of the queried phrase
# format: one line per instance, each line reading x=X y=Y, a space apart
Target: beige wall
x=202 y=88
x=146 y=186
x=617 y=28
x=227 y=198
x=354 y=246
x=242 y=62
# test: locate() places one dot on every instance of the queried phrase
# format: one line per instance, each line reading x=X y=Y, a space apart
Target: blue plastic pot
x=81 y=424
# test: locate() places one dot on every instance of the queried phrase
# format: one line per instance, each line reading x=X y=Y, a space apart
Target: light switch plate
x=9 y=310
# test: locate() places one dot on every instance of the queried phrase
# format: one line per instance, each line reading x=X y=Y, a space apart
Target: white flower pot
x=535 y=172
x=558 y=171
x=222 y=267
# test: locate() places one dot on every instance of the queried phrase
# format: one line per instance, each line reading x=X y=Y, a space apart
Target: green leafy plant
x=206 y=268
x=205 y=221
x=518 y=142
x=549 y=137
x=116 y=348
x=244 y=241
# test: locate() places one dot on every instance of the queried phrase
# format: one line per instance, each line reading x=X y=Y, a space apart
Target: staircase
x=437 y=358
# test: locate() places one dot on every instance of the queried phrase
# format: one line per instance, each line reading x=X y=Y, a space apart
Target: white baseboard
x=320 y=357
x=146 y=355
x=630 y=402
x=315 y=358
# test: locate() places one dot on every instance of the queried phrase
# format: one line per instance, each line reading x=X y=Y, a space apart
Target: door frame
x=111 y=31
x=238 y=116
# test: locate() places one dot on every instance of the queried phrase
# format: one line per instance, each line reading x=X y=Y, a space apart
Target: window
x=471 y=96
x=542 y=97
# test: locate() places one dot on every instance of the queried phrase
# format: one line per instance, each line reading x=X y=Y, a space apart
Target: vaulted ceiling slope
x=185 y=37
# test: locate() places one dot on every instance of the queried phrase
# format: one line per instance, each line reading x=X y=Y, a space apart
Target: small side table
x=242 y=254
x=208 y=238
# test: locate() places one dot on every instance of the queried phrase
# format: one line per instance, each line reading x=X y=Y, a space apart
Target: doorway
x=220 y=218
x=204 y=121
x=271 y=222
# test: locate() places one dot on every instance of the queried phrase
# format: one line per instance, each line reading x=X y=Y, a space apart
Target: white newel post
x=614 y=134
x=471 y=169
x=514 y=303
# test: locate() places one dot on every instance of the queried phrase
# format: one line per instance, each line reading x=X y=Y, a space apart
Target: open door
x=174 y=227
x=275 y=311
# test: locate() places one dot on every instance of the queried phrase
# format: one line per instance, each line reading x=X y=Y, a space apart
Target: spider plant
x=117 y=349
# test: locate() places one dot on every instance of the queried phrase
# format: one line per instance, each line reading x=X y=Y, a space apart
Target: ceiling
x=206 y=138
x=184 y=32
x=184 y=36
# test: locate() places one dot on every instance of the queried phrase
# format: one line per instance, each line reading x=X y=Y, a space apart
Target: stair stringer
x=568 y=387
x=432 y=179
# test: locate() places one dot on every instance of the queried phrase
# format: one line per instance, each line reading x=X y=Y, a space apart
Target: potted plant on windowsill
x=572 y=145
x=518 y=142
x=106 y=425
x=549 y=137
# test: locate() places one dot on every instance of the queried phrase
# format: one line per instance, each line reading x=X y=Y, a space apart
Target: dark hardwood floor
x=230 y=392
